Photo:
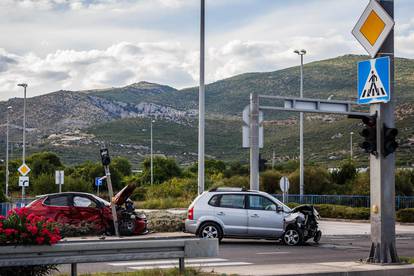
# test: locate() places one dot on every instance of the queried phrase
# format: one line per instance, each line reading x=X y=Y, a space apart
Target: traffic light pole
x=111 y=195
x=382 y=169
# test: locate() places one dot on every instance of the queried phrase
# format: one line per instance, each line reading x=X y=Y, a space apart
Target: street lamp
x=201 y=103
x=9 y=108
x=351 y=152
x=301 y=166
x=24 y=85
x=152 y=164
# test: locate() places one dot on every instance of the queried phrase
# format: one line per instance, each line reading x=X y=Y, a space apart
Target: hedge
x=405 y=215
x=362 y=213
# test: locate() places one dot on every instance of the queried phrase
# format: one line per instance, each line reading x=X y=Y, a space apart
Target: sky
x=93 y=44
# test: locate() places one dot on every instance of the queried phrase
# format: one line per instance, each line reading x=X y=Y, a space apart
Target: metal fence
x=13 y=203
x=347 y=200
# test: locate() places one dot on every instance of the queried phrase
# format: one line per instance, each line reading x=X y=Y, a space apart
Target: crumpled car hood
x=124 y=194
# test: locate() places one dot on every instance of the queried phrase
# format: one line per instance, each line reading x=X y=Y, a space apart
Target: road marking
x=341 y=239
x=137 y=263
x=205 y=262
x=272 y=253
x=190 y=265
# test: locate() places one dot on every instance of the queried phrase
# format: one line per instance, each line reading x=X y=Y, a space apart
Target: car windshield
x=285 y=207
x=103 y=201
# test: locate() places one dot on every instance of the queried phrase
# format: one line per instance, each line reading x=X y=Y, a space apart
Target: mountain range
x=76 y=123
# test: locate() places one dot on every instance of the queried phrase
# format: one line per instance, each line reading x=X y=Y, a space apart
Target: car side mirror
x=279 y=208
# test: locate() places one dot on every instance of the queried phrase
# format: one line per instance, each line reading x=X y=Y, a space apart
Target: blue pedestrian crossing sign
x=374 y=81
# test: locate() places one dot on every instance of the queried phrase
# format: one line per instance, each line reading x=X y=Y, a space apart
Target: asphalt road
x=346 y=242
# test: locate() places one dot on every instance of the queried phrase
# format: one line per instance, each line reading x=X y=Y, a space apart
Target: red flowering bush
x=21 y=228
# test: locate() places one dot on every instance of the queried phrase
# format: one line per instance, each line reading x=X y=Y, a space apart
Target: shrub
x=173 y=188
x=269 y=181
x=234 y=181
x=73 y=184
x=405 y=215
x=344 y=212
x=21 y=228
x=44 y=184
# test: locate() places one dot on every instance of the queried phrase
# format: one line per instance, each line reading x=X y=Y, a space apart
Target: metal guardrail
x=401 y=202
x=75 y=252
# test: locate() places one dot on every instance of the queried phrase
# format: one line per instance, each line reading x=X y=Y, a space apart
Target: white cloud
x=77 y=44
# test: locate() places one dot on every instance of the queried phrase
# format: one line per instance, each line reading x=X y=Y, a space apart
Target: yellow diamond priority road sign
x=24 y=169
x=373 y=27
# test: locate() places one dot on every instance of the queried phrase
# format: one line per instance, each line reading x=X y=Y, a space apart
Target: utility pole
x=301 y=158
x=24 y=85
x=382 y=169
x=9 y=108
x=152 y=159
x=254 y=141
x=351 y=147
x=201 y=104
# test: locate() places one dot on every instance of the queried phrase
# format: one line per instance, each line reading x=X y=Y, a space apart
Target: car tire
x=317 y=236
x=127 y=227
x=292 y=236
x=210 y=230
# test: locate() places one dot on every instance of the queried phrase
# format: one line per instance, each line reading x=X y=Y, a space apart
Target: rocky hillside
x=73 y=122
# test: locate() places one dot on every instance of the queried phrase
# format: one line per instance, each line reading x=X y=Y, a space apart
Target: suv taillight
x=191 y=213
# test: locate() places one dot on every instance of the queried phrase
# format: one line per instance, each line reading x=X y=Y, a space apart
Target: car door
x=57 y=207
x=263 y=219
x=233 y=214
x=88 y=210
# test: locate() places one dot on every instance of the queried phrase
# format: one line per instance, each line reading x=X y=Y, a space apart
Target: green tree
x=44 y=163
x=404 y=182
x=77 y=185
x=122 y=165
x=164 y=169
x=347 y=172
x=211 y=166
x=44 y=184
x=269 y=181
x=236 y=168
x=316 y=181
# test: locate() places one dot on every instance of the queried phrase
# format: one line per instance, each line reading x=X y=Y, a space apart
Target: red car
x=75 y=208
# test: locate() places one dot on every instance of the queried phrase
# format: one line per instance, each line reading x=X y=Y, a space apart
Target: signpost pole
x=382 y=169
x=254 y=141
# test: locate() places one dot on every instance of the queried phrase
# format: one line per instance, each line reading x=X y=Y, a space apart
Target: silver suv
x=240 y=213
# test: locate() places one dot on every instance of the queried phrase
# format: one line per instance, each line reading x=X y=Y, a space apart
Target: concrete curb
x=321 y=269
x=362 y=221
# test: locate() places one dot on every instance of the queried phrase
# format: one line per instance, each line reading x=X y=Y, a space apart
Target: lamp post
x=9 y=108
x=351 y=148
x=152 y=164
x=201 y=104
x=301 y=166
x=24 y=85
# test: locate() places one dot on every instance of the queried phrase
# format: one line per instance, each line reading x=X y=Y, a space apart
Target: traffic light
x=106 y=160
x=390 y=145
x=369 y=133
x=262 y=164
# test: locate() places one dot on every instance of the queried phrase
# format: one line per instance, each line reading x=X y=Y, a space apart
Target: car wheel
x=318 y=236
x=210 y=231
x=293 y=236
x=127 y=227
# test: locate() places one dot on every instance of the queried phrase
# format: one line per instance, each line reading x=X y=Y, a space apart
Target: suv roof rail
x=229 y=189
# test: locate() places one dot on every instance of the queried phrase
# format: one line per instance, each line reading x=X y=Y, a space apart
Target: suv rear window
x=232 y=201
x=215 y=201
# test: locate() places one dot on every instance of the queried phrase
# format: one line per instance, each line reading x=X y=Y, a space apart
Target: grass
x=409 y=260
x=156 y=272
